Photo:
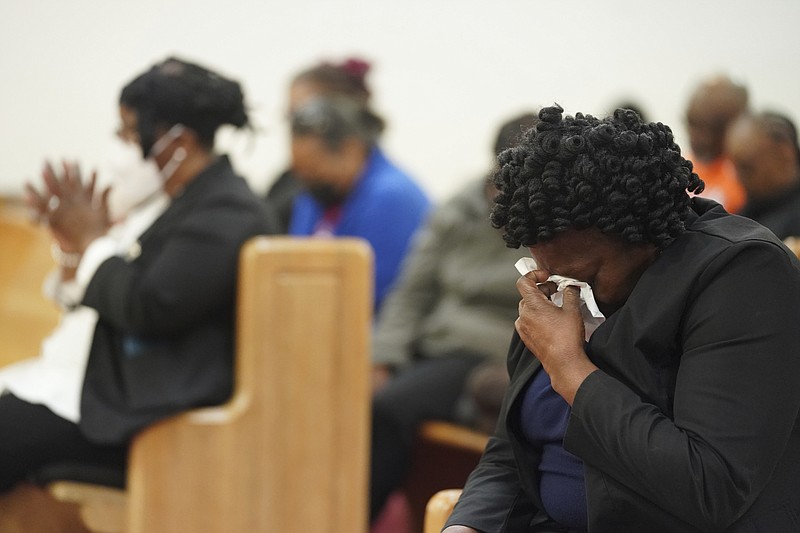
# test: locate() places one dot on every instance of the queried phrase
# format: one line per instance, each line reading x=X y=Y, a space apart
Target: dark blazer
x=165 y=334
x=691 y=423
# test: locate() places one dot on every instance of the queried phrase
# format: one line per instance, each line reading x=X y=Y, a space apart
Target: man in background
x=713 y=106
x=764 y=150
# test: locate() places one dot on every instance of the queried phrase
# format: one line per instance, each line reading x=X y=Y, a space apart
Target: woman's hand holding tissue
x=555 y=335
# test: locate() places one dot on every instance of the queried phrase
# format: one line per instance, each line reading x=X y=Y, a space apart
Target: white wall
x=446 y=72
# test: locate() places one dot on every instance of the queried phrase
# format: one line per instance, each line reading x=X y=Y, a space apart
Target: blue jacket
x=385 y=207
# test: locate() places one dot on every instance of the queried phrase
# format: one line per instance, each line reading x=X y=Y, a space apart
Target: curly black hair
x=617 y=174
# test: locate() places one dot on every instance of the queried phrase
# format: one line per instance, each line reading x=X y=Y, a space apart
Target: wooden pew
x=289 y=451
x=443 y=456
x=793 y=243
x=439 y=508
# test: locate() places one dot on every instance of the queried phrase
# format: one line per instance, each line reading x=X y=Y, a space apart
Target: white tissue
x=592 y=317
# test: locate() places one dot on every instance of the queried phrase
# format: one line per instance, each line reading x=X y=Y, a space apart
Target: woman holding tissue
x=680 y=412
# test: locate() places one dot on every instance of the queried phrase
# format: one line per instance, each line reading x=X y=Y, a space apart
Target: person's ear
x=188 y=140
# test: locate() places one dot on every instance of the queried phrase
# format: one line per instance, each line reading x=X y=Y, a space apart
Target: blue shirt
x=385 y=207
x=544 y=421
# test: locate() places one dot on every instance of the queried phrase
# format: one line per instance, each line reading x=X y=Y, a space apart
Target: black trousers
x=32 y=436
x=428 y=390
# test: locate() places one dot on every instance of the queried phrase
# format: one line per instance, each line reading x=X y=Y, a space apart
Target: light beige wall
x=446 y=72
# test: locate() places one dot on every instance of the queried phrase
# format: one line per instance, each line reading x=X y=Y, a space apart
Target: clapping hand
x=74 y=211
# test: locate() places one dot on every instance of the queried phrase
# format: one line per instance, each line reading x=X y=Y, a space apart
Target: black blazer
x=165 y=335
x=691 y=423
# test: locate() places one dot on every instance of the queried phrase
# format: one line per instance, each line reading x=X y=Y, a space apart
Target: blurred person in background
x=350 y=188
x=764 y=150
x=156 y=304
x=713 y=106
x=440 y=342
x=346 y=78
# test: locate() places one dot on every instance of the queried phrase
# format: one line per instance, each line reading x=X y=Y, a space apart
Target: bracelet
x=65 y=259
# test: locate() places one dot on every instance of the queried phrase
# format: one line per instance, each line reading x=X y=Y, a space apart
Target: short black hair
x=633 y=106
x=512 y=130
x=175 y=91
x=617 y=174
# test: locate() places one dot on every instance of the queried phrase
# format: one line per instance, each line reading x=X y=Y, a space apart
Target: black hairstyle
x=178 y=92
x=617 y=174
x=511 y=131
x=336 y=118
x=633 y=106
x=347 y=78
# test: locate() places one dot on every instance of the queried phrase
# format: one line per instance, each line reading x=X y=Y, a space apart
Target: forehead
x=579 y=253
x=310 y=146
x=707 y=114
x=745 y=139
x=712 y=108
x=567 y=247
x=301 y=91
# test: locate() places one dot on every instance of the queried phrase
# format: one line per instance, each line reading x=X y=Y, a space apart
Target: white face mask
x=133 y=180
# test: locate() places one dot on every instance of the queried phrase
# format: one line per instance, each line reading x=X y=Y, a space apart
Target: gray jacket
x=456 y=290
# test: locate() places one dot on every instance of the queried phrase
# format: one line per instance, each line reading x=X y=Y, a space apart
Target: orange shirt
x=722 y=185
